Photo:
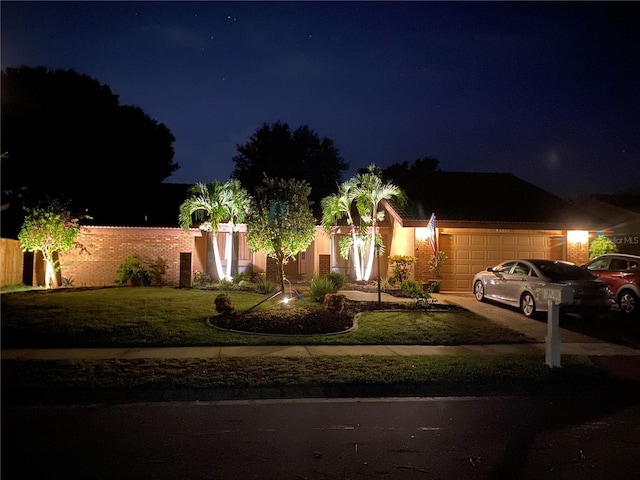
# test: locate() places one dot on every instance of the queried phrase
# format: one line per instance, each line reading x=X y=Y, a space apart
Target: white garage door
x=470 y=253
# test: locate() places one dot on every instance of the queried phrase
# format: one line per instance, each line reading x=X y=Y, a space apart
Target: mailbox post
x=556 y=295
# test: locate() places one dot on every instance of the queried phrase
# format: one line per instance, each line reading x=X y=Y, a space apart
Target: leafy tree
x=600 y=246
x=67 y=137
x=213 y=204
x=49 y=231
x=275 y=151
x=367 y=190
x=280 y=221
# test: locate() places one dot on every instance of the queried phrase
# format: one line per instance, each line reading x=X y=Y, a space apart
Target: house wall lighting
x=577 y=236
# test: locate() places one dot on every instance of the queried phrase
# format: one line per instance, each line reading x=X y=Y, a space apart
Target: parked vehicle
x=622 y=273
x=521 y=283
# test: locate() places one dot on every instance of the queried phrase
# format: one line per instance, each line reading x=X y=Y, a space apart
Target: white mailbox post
x=556 y=295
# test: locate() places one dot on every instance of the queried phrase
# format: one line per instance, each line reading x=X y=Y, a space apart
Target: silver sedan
x=520 y=283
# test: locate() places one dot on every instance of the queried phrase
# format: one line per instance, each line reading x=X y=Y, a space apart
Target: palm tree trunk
x=357 y=265
x=229 y=253
x=216 y=256
x=372 y=248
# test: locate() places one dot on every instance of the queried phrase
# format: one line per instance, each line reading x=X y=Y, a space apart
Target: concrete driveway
x=511 y=318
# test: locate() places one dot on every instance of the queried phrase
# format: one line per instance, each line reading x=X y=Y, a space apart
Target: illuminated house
x=481 y=220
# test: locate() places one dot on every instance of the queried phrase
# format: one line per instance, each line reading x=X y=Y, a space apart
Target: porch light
x=422 y=233
x=577 y=236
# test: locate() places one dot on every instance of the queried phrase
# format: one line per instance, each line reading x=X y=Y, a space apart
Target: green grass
x=120 y=380
x=150 y=316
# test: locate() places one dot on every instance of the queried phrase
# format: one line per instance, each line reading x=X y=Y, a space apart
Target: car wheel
x=527 y=305
x=478 y=291
x=628 y=302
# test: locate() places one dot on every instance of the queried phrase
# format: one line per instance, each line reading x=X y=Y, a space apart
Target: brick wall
x=423 y=253
x=578 y=253
x=103 y=249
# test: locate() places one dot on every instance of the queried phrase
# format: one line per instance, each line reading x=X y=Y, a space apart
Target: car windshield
x=558 y=271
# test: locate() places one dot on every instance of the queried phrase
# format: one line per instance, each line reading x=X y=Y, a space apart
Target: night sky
x=547 y=91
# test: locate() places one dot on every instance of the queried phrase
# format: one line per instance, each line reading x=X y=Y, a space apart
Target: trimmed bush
x=413 y=289
x=338 y=279
x=334 y=303
x=319 y=287
x=223 y=303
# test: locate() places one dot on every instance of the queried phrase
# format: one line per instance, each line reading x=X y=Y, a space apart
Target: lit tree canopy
x=214 y=203
x=49 y=231
x=366 y=190
x=280 y=222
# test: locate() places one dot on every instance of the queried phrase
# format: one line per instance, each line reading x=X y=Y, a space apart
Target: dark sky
x=547 y=91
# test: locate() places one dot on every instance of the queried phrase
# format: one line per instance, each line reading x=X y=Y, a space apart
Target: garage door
x=470 y=253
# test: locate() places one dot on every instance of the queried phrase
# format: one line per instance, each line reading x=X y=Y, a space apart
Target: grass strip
x=37 y=381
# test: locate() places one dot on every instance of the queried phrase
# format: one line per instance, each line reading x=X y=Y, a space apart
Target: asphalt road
x=418 y=438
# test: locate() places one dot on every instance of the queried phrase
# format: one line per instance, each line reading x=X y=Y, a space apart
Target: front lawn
x=150 y=316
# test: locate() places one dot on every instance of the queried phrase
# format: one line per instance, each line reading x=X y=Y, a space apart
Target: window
x=618 y=264
x=521 y=269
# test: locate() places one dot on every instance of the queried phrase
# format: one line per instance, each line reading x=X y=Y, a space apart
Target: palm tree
x=236 y=200
x=338 y=206
x=370 y=191
x=212 y=204
x=367 y=190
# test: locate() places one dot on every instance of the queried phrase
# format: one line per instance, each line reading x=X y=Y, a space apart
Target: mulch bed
x=300 y=320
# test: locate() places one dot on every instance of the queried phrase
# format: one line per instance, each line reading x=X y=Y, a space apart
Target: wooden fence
x=11 y=262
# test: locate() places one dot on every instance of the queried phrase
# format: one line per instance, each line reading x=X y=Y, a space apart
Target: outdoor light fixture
x=422 y=233
x=577 y=236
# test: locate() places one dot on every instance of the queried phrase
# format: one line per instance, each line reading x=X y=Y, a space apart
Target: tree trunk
x=372 y=247
x=229 y=254
x=216 y=256
x=357 y=265
x=281 y=264
x=50 y=280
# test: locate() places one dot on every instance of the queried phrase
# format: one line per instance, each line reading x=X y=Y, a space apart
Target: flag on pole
x=431 y=235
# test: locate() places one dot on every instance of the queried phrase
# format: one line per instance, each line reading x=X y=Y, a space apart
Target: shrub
x=338 y=279
x=241 y=277
x=601 y=245
x=402 y=268
x=265 y=287
x=223 y=303
x=226 y=284
x=319 y=287
x=334 y=303
x=201 y=279
x=246 y=286
x=436 y=264
x=384 y=284
x=413 y=289
x=133 y=272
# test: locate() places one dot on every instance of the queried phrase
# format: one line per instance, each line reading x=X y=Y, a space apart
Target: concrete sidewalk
x=308 y=351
